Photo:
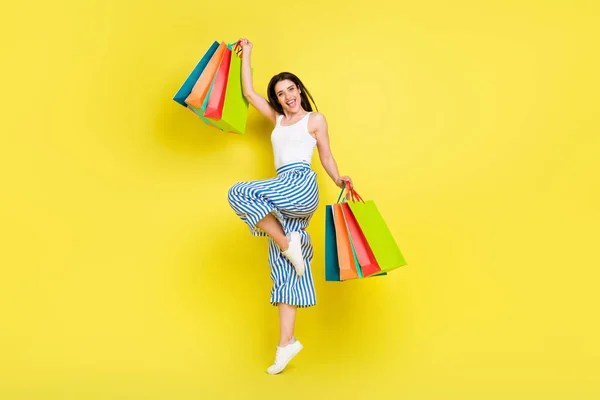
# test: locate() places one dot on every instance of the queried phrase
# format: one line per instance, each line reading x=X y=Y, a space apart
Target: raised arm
x=258 y=101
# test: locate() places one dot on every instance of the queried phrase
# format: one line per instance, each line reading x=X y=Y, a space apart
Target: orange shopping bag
x=216 y=95
x=347 y=262
x=198 y=94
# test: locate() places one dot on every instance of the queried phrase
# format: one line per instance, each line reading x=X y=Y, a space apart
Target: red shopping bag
x=366 y=259
x=214 y=108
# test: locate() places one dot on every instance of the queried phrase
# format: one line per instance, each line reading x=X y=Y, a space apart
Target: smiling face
x=288 y=95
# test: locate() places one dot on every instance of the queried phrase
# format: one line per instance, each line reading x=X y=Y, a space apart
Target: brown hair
x=304 y=93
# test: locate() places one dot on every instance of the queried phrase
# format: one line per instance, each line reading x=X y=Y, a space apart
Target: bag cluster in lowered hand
x=358 y=242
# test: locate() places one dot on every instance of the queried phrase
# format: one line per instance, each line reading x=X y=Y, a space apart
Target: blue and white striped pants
x=292 y=197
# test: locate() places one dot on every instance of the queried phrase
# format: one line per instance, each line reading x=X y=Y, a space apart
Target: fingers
x=345 y=180
x=348 y=181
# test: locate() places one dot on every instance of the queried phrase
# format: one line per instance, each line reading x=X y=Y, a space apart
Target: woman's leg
x=250 y=201
x=287 y=320
x=291 y=248
x=286 y=349
x=273 y=228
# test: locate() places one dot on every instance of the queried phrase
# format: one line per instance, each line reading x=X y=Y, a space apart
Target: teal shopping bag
x=332 y=266
x=185 y=89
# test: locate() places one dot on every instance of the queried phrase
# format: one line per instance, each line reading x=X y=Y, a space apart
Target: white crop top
x=292 y=143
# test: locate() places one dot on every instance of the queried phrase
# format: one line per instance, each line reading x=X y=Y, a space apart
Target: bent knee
x=235 y=191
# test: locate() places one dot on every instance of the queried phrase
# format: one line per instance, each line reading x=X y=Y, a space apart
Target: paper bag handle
x=351 y=194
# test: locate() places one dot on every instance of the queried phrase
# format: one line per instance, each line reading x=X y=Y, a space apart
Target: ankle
x=284 y=243
x=287 y=341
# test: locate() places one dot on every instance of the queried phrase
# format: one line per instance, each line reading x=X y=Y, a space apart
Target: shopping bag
x=216 y=97
x=219 y=123
x=378 y=235
x=332 y=265
x=235 y=106
x=366 y=258
x=191 y=80
x=199 y=112
x=346 y=250
x=200 y=89
x=209 y=123
x=349 y=268
x=366 y=264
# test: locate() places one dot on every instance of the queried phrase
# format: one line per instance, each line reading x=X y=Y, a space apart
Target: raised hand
x=246 y=45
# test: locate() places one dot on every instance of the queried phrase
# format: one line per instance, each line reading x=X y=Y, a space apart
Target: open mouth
x=291 y=103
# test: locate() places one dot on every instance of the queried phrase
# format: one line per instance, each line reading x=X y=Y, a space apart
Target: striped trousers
x=292 y=197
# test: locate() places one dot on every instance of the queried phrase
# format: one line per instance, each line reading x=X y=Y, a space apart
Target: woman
x=281 y=208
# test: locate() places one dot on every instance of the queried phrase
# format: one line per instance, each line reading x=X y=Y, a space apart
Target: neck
x=290 y=115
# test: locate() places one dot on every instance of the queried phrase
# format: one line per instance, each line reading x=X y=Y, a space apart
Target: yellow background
x=473 y=125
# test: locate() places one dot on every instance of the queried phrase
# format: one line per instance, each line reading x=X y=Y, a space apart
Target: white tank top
x=292 y=143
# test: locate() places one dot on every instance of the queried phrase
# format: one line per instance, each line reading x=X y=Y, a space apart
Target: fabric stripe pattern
x=292 y=197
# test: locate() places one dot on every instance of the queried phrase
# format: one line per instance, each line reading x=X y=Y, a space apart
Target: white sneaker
x=283 y=356
x=294 y=252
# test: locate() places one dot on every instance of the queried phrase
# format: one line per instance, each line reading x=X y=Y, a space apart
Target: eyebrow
x=287 y=87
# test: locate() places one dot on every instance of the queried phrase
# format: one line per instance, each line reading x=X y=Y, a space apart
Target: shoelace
x=277 y=356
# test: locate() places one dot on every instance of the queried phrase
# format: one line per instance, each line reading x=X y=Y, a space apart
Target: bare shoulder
x=318 y=117
x=317 y=122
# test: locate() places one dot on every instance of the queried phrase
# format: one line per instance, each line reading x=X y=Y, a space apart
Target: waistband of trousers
x=292 y=166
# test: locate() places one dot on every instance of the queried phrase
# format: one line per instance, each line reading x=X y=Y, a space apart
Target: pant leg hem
x=255 y=218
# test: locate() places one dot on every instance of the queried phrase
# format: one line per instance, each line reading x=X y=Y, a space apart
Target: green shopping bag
x=235 y=107
x=219 y=123
x=378 y=235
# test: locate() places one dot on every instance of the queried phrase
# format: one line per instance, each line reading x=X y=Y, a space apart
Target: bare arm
x=318 y=126
x=258 y=101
